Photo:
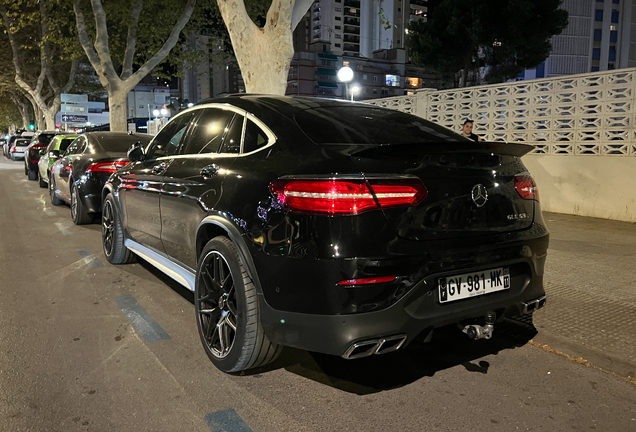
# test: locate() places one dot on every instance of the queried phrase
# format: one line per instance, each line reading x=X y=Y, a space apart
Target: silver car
x=18 y=148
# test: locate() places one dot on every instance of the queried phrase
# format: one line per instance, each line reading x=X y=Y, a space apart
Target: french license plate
x=474 y=284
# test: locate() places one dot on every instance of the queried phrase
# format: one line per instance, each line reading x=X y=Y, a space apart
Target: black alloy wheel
x=226 y=310
x=112 y=235
x=78 y=213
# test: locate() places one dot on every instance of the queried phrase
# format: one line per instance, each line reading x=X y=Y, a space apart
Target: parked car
x=329 y=226
x=18 y=148
x=79 y=176
x=6 y=148
x=32 y=153
x=50 y=154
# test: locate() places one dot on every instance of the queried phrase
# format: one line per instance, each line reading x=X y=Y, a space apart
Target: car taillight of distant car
x=109 y=167
x=347 y=196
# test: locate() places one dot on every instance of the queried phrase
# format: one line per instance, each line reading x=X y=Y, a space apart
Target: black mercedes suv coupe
x=330 y=226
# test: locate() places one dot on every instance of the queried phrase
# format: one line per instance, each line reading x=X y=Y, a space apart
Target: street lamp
x=354 y=89
x=155 y=113
x=345 y=74
x=164 y=112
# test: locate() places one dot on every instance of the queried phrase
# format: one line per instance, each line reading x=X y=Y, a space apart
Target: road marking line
x=64 y=229
x=226 y=421
x=90 y=259
x=145 y=325
x=65 y=271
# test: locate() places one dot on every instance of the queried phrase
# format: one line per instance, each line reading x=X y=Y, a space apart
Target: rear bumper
x=32 y=164
x=416 y=314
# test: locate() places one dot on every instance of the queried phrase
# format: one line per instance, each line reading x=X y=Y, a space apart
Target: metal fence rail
x=586 y=114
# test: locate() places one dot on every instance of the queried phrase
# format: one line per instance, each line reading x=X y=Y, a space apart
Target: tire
x=33 y=175
x=43 y=184
x=227 y=311
x=78 y=213
x=26 y=170
x=54 y=199
x=113 y=235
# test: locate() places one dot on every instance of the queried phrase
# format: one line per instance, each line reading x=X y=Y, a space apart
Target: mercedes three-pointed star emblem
x=479 y=194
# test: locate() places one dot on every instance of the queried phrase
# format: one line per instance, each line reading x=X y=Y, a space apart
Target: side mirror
x=54 y=154
x=136 y=152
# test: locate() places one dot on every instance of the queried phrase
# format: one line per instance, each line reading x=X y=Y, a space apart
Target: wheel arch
x=214 y=226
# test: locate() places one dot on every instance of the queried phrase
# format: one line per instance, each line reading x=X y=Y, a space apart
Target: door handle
x=210 y=171
x=159 y=169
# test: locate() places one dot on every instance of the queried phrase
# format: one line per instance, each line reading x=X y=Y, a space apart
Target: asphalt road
x=72 y=360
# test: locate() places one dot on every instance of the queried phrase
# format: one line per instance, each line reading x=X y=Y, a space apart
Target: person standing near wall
x=467 y=131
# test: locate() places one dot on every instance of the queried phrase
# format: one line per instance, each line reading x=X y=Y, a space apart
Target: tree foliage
x=504 y=36
x=42 y=67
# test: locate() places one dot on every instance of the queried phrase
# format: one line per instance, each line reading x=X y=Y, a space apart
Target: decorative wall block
x=591 y=114
x=588 y=149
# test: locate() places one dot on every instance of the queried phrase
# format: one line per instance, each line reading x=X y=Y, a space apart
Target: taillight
x=109 y=167
x=526 y=187
x=368 y=281
x=347 y=197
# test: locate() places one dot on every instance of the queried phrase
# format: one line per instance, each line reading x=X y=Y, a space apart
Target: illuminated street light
x=354 y=89
x=345 y=74
x=164 y=112
x=190 y=105
x=155 y=113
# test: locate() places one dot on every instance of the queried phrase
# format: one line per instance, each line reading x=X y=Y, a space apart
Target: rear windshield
x=45 y=138
x=362 y=125
x=22 y=142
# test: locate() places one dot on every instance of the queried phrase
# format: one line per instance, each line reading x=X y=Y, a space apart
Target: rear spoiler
x=452 y=147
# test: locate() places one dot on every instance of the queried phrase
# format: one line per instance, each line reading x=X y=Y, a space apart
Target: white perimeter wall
x=597 y=186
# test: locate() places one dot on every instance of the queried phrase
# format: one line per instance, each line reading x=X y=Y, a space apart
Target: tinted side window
x=166 y=143
x=208 y=130
x=64 y=143
x=74 y=147
x=51 y=146
x=255 y=138
x=232 y=140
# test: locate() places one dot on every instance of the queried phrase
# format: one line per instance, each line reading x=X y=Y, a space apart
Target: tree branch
x=300 y=9
x=92 y=55
x=131 y=41
x=168 y=45
x=240 y=20
x=45 y=49
x=71 y=78
x=30 y=92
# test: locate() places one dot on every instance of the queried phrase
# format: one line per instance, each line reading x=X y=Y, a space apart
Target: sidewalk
x=590 y=283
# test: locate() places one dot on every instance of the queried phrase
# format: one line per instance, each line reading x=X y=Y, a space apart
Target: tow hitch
x=476 y=332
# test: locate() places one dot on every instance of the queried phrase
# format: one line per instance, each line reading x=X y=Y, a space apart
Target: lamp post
x=345 y=74
x=354 y=89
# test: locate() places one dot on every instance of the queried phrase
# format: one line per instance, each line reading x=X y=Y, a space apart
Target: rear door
x=64 y=167
x=141 y=183
x=192 y=184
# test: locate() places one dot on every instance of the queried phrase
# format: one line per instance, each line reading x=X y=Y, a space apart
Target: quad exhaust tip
x=533 y=305
x=374 y=346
